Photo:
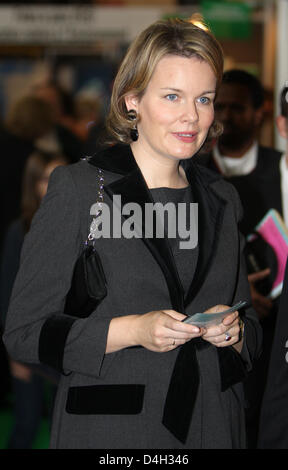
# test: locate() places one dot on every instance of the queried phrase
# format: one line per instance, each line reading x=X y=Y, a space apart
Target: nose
x=189 y=112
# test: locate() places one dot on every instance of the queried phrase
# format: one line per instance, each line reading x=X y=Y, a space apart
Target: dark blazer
x=259 y=191
x=118 y=400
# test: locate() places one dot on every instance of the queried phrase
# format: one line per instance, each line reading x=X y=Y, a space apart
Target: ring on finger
x=174 y=342
x=227 y=337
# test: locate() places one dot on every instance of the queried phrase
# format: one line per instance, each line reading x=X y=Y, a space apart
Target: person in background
x=282 y=125
x=249 y=166
x=27 y=381
x=273 y=429
x=134 y=375
x=63 y=138
x=88 y=112
x=28 y=119
x=254 y=171
x=89 y=122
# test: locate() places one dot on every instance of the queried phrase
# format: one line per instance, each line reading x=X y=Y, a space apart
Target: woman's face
x=176 y=110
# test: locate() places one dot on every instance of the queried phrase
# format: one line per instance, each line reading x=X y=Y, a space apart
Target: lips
x=187 y=137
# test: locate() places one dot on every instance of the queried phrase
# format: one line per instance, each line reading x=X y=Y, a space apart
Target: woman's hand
x=163 y=330
x=226 y=333
x=159 y=331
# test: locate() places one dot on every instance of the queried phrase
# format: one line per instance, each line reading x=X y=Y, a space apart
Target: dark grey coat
x=117 y=400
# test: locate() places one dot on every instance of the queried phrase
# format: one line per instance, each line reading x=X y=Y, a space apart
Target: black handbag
x=88 y=286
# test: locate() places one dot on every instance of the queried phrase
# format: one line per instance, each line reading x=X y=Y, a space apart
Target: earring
x=132 y=116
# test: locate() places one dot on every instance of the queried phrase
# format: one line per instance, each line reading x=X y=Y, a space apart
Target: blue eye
x=172 y=97
x=204 y=100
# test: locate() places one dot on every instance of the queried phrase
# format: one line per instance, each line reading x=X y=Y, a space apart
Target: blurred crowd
x=48 y=119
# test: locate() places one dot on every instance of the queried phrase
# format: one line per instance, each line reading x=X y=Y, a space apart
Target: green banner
x=228 y=20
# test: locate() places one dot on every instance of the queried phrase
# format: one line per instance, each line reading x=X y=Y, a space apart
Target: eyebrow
x=178 y=90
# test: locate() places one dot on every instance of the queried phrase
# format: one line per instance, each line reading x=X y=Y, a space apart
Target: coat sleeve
x=36 y=328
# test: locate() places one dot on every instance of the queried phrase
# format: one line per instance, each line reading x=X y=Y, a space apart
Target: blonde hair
x=173 y=37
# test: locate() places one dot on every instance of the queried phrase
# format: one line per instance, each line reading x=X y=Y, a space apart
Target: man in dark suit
x=273 y=431
x=254 y=170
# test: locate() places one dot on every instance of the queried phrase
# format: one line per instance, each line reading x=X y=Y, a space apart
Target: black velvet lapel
x=210 y=216
x=133 y=188
x=182 y=392
x=118 y=159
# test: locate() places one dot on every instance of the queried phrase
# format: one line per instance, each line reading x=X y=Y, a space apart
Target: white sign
x=56 y=24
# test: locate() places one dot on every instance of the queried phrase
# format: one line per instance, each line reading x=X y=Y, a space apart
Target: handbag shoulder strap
x=97 y=206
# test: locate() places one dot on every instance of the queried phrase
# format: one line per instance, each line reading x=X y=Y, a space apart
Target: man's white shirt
x=247 y=163
x=236 y=166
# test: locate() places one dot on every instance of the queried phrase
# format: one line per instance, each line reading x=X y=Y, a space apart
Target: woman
x=27 y=382
x=134 y=375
